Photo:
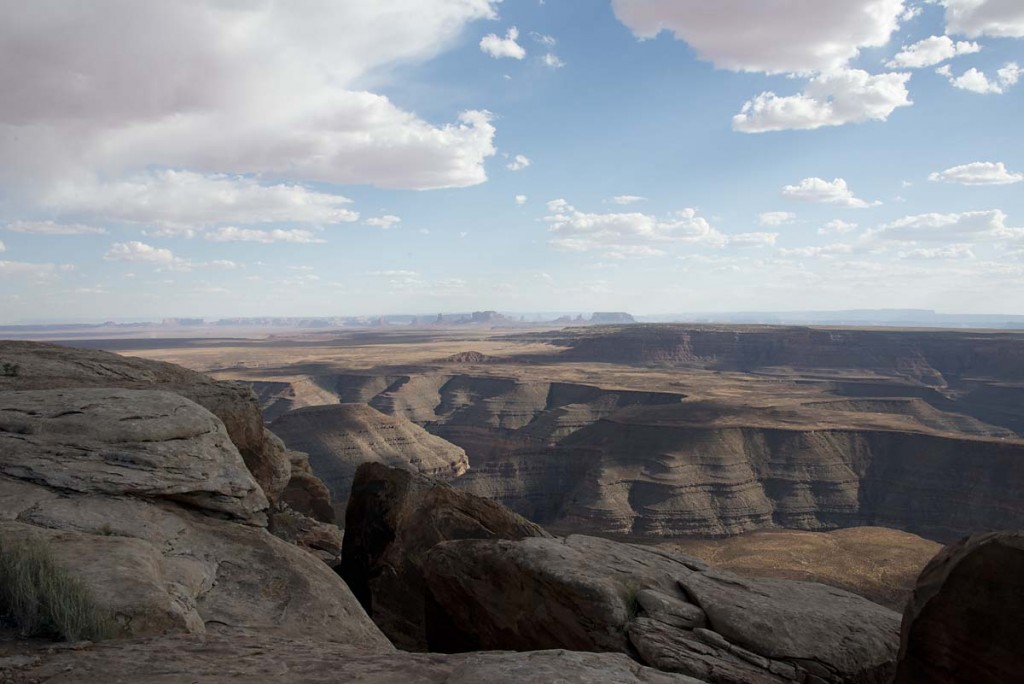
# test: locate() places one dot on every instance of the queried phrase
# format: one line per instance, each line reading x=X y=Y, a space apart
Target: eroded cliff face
x=340 y=437
x=656 y=464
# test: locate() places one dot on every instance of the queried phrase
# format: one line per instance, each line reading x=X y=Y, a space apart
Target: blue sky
x=344 y=158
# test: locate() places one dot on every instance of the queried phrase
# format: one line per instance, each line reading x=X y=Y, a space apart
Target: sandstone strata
x=963 y=623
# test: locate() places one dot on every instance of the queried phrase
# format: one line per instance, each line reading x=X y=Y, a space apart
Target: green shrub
x=40 y=598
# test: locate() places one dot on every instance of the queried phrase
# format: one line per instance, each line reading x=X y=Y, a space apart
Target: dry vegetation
x=40 y=598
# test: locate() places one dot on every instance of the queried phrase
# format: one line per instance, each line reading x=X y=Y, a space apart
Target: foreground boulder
x=142 y=496
x=675 y=612
x=964 y=622
x=394 y=518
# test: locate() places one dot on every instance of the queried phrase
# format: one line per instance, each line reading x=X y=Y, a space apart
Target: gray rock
x=670 y=610
x=127 y=442
x=582 y=593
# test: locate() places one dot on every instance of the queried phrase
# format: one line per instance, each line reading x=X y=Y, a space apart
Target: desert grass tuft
x=40 y=598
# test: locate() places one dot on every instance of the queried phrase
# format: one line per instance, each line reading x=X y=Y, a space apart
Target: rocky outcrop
x=127 y=442
x=338 y=438
x=259 y=658
x=45 y=366
x=964 y=621
x=394 y=518
x=142 y=494
x=674 y=612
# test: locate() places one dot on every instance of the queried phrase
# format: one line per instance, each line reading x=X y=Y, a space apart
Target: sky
x=341 y=157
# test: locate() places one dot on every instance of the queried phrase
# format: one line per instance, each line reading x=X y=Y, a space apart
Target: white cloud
x=752 y=239
x=949 y=227
x=139 y=252
x=634 y=234
x=974 y=18
x=775 y=218
x=235 y=234
x=626 y=234
x=184 y=200
x=51 y=228
x=977 y=82
x=932 y=253
x=222 y=264
x=3 y=247
x=518 y=163
x=498 y=47
x=978 y=173
x=552 y=61
x=521 y=200
x=816 y=252
x=837 y=226
x=383 y=222
x=627 y=199
x=831 y=99
x=931 y=51
x=545 y=40
x=773 y=37
x=263 y=87
x=820 y=190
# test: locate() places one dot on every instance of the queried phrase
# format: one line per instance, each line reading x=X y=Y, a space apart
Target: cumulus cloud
x=139 y=252
x=186 y=200
x=977 y=82
x=235 y=234
x=552 y=61
x=635 y=234
x=830 y=99
x=51 y=228
x=265 y=88
x=773 y=37
x=837 y=226
x=521 y=200
x=955 y=227
x=931 y=51
x=497 y=47
x=775 y=218
x=973 y=18
x=383 y=222
x=518 y=163
x=978 y=173
x=627 y=199
x=836 y=192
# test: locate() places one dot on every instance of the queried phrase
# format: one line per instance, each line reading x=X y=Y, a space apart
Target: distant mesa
x=611 y=318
